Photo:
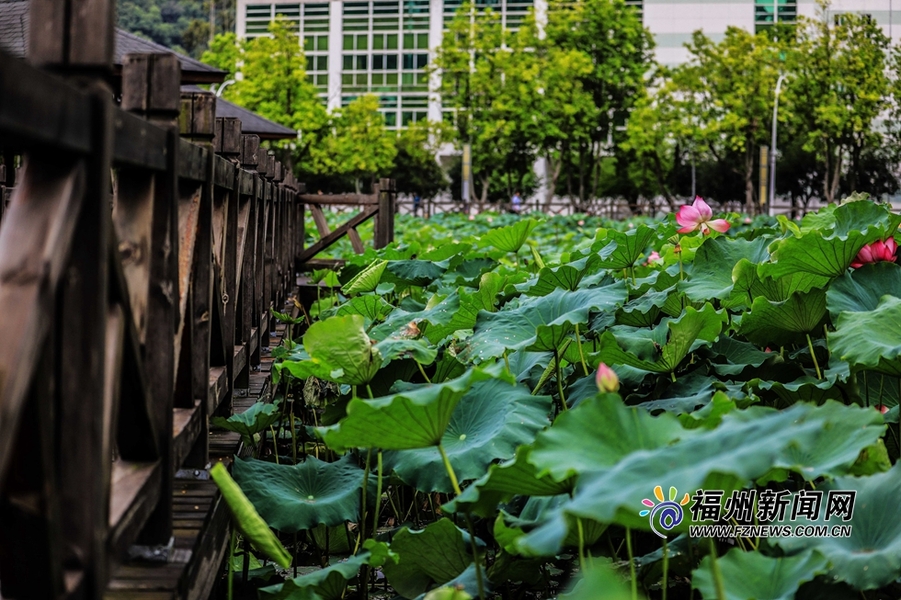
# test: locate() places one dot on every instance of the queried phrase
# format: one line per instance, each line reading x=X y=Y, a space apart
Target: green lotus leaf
x=565 y=277
x=734 y=356
x=871 y=556
x=600 y=582
x=448 y=593
x=353 y=361
x=490 y=287
x=548 y=528
x=575 y=443
x=434 y=555
x=621 y=250
x=645 y=310
x=807 y=388
x=489 y=422
x=439 y=314
x=860 y=290
x=515 y=328
x=446 y=251
x=372 y=307
x=693 y=329
x=299 y=497
x=782 y=323
x=872 y=459
x=255 y=419
x=466 y=582
x=503 y=481
x=872 y=339
x=818 y=254
x=366 y=280
x=510 y=238
x=328 y=583
x=247 y=519
x=413 y=419
x=752 y=575
x=711 y=271
x=393 y=348
x=751 y=281
x=745 y=446
x=414 y=272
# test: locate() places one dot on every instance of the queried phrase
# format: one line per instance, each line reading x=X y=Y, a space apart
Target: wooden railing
x=140 y=254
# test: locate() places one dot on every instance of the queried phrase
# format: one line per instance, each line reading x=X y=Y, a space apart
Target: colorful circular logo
x=667 y=514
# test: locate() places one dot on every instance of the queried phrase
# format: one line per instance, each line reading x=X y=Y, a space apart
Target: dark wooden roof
x=14 y=20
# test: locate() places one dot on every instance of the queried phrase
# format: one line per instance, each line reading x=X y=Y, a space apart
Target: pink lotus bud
x=581 y=222
x=606 y=379
x=877 y=251
x=881 y=408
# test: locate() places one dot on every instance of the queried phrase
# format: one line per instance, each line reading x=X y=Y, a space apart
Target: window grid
x=786 y=11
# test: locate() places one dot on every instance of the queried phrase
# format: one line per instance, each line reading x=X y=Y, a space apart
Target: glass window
x=322 y=42
x=407 y=118
x=391 y=79
x=378 y=78
x=391 y=42
x=348 y=62
x=388 y=101
x=391 y=119
x=415 y=61
x=362 y=61
x=347 y=79
x=362 y=41
x=308 y=43
x=348 y=42
x=259 y=10
x=362 y=79
x=322 y=63
x=378 y=42
x=322 y=80
x=310 y=62
x=422 y=41
x=409 y=41
x=407 y=78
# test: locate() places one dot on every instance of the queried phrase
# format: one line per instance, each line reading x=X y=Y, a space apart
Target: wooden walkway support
x=141 y=251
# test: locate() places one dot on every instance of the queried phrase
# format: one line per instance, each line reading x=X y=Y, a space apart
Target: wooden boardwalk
x=142 y=249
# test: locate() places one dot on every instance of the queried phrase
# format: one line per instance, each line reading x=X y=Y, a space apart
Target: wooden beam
x=319 y=219
x=335 y=235
x=339 y=199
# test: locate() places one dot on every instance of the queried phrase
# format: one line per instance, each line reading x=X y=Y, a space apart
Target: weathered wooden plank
x=187 y=426
x=218 y=386
x=35 y=240
x=319 y=220
x=135 y=492
x=339 y=199
x=355 y=240
x=133 y=225
x=192 y=162
x=335 y=235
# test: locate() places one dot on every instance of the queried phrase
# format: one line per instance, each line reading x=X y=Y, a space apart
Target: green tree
x=619 y=50
x=416 y=169
x=355 y=143
x=837 y=90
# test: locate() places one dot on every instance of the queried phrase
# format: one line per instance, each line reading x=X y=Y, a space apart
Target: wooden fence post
x=384 y=221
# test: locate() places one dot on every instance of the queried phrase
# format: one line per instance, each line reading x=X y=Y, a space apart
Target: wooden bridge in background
x=142 y=246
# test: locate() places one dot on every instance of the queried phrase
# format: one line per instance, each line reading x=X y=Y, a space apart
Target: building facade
x=382 y=47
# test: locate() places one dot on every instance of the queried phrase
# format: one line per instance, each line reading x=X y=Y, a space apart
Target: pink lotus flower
x=881 y=408
x=581 y=222
x=699 y=215
x=876 y=252
x=606 y=379
x=653 y=257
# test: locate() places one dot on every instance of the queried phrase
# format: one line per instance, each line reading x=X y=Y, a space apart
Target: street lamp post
x=224 y=85
x=772 y=194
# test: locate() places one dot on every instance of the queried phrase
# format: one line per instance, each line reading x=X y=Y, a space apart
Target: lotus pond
x=528 y=408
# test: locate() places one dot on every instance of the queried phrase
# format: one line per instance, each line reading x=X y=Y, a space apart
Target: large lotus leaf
x=751 y=281
x=393 y=348
x=247 y=519
x=548 y=528
x=711 y=271
x=373 y=307
x=807 y=387
x=436 y=554
x=255 y=419
x=339 y=351
x=691 y=330
x=464 y=583
x=871 y=339
x=600 y=582
x=847 y=431
x=413 y=419
x=414 y=272
x=328 y=583
x=734 y=356
x=860 y=290
x=598 y=433
x=446 y=251
x=817 y=254
x=298 y=497
x=503 y=481
x=489 y=422
x=748 y=575
x=510 y=238
x=781 y=323
x=490 y=287
x=469 y=305
x=621 y=250
x=367 y=279
x=871 y=556
x=644 y=310
x=448 y=593
x=398 y=322
x=515 y=328
x=852 y=217
x=565 y=277
x=746 y=445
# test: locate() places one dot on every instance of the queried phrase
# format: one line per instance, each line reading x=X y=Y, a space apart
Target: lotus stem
x=362 y=529
x=581 y=354
x=369 y=391
x=507 y=362
x=230 y=594
x=581 y=544
x=450 y=470
x=475 y=556
x=665 y=568
x=378 y=496
x=813 y=355
x=293 y=435
x=632 y=273
x=421 y=370
x=717 y=575
x=672 y=375
x=563 y=406
x=274 y=443
x=631 y=564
